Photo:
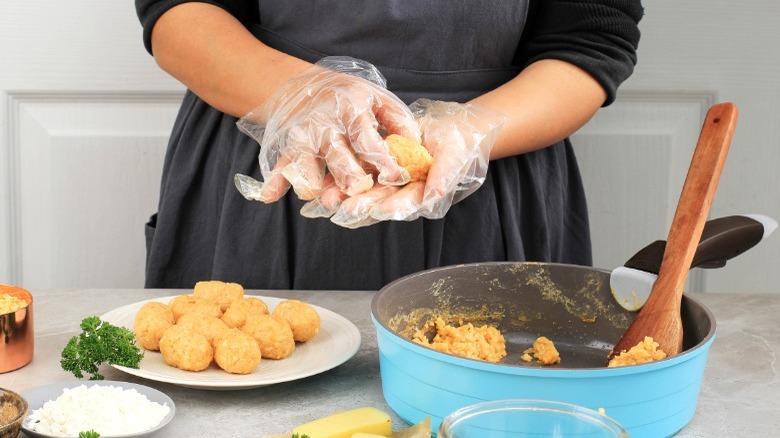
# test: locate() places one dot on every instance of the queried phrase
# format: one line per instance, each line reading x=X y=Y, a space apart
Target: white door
x=86 y=115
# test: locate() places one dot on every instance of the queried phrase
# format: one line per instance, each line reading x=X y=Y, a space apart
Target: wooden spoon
x=660 y=316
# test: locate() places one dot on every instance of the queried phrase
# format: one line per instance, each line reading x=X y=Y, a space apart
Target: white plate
x=38 y=396
x=336 y=342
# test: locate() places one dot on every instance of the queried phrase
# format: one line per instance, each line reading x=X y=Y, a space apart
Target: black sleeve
x=149 y=11
x=599 y=36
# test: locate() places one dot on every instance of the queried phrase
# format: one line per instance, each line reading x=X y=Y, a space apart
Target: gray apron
x=531 y=207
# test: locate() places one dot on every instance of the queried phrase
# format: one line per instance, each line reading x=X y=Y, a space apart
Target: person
x=543 y=66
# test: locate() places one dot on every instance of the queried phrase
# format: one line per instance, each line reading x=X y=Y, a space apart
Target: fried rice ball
x=239 y=310
x=151 y=321
x=186 y=349
x=208 y=326
x=184 y=304
x=410 y=155
x=236 y=352
x=218 y=292
x=303 y=319
x=273 y=335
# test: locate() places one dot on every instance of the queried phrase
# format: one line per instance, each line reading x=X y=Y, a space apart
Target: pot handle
x=722 y=239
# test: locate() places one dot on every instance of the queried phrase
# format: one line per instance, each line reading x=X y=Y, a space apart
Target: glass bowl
x=519 y=418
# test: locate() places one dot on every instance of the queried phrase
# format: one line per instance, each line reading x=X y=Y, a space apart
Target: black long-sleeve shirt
x=599 y=36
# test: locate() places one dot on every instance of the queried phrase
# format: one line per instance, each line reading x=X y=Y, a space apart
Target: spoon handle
x=660 y=316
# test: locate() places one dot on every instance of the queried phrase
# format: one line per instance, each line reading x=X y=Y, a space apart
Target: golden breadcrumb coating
x=186 y=349
x=184 y=304
x=410 y=155
x=236 y=352
x=218 y=292
x=151 y=321
x=302 y=317
x=273 y=335
x=209 y=326
x=239 y=310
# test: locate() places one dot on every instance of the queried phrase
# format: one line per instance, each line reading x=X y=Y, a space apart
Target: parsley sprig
x=99 y=342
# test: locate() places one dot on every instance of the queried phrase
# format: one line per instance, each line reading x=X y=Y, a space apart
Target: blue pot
x=650 y=400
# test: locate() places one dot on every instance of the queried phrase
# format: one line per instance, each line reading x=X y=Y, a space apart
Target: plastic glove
x=460 y=138
x=328 y=118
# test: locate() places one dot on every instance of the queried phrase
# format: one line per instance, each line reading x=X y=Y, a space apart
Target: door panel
x=89 y=171
x=634 y=156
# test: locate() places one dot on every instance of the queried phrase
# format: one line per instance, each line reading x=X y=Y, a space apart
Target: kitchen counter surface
x=737 y=399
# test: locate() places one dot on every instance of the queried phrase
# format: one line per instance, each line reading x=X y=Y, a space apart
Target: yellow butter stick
x=347 y=423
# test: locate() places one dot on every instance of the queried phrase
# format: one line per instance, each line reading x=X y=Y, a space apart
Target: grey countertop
x=737 y=399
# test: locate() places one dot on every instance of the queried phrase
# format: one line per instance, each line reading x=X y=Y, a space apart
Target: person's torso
x=429 y=35
x=451 y=50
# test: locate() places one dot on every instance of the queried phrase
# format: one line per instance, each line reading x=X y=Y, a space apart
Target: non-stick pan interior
x=571 y=305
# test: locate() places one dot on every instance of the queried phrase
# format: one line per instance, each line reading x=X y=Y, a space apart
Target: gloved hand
x=327 y=118
x=458 y=136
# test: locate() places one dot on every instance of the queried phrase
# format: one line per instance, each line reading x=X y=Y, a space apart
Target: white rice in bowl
x=108 y=410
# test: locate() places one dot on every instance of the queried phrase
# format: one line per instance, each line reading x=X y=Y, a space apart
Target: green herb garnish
x=89 y=434
x=295 y=435
x=99 y=342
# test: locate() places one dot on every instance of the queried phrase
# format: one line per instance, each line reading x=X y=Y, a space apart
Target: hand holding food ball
x=330 y=116
x=458 y=139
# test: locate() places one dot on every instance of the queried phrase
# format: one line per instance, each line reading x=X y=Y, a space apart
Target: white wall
x=85 y=115
x=692 y=51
